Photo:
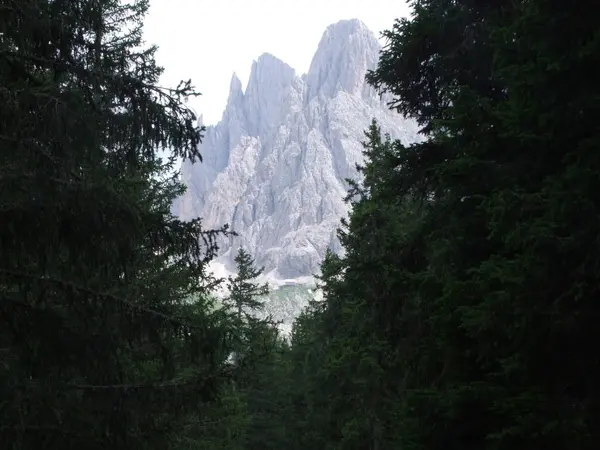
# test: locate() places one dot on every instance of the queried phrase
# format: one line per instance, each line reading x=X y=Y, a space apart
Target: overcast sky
x=208 y=40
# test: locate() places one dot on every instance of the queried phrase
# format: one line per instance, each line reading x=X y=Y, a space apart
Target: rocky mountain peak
x=275 y=165
x=345 y=53
x=236 y=95
x=268 y=87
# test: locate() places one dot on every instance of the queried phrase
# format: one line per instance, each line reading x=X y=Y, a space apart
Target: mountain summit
x=275 y=165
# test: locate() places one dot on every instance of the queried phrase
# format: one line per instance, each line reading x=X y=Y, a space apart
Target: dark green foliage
x=98 y=350
x=221 y=425
x=247 y=414
x=263 y=382
x=257 y=357
x=244 y=291
x=463 y=313
x=510 y=168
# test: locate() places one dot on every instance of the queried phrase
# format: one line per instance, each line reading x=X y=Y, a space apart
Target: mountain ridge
x=275 y=165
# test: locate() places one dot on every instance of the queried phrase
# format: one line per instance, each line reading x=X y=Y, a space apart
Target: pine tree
x=467 y=286
x=507 y=167
x=258 y=358
x=98 y=349
x=244 y=291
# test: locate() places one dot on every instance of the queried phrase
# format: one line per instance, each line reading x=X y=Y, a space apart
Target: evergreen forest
x=460 y=315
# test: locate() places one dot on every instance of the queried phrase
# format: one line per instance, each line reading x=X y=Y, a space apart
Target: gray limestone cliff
x=275 y=165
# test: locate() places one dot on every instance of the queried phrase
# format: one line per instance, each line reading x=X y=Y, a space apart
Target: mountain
x=275 y=165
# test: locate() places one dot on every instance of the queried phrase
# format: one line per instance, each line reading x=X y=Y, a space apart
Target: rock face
x=275 y=166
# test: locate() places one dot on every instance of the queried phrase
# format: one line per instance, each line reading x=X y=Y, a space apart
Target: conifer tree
x=507 y=158
x=467 y=286
x=244 y=290
x=98 y=350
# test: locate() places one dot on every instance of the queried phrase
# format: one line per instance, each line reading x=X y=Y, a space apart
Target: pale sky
x=209 y=40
